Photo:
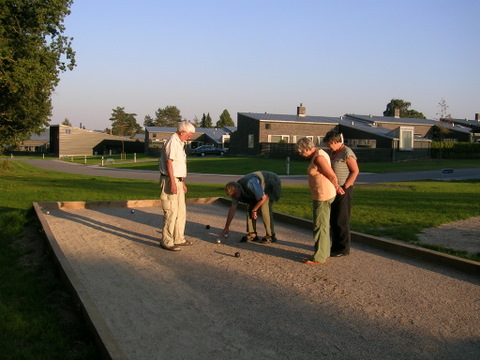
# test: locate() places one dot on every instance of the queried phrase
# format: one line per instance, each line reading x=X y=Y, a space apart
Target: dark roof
x=213 y=133
x=291 y=118
x=163 y=129
x=366 y=127
x=473 y=124
x=455 y=127
x=227 y=130
x=372 y=128
x=393 y=120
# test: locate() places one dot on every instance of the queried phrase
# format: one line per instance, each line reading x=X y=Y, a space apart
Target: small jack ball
x=237 y=254
x=48 y=212
x=133 y=211
x=208 y=227
x=219 y=241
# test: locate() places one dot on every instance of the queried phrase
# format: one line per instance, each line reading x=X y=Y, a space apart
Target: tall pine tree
x=225 y=120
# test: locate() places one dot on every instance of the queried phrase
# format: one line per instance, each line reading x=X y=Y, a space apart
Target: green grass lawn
x=31 y=305
x=244 y=165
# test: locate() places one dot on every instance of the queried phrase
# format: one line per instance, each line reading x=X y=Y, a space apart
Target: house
x=38 y=143
x=473 y=125
x=276 y=134
x=378 y=138
x=422 y=128
x=385 y=138
x=72 y=141
x=155 y=136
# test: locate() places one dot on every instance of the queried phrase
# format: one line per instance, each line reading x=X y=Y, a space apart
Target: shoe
x=250 y=237
x=185 y=243
x=312 y=262
x=171 y=248
x=337 y=254
x=268 y=239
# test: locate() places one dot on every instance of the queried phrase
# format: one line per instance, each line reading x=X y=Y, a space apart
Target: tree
x=124 y=124
x=442 y=114
x=440 y=132
x=33 y=52
x=206 y=121
x=402 y=106
x=195 y=121
x=66 y=122
x=169 y=116
x=148 y=121
x=225 y=120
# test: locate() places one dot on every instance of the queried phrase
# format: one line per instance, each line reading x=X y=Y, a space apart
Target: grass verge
x=245 y=165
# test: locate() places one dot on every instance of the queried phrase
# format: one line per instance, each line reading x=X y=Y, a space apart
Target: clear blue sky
x=335 y=57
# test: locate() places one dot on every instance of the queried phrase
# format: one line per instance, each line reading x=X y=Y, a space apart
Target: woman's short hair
x=332 y=135
x=304 y=144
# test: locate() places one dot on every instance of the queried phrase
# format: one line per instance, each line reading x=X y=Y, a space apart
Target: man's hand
x=225 y=233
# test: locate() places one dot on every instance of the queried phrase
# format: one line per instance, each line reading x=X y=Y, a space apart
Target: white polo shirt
x=174 y=150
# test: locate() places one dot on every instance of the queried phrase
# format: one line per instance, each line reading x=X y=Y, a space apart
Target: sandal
x=312 y=262
x=185 y=243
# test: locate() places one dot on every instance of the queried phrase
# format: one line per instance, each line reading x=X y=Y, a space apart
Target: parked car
x=208 y=150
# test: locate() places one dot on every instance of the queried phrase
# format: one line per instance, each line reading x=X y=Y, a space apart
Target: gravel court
x=205 y=303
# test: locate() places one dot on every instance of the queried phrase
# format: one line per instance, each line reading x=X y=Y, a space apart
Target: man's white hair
x=186 y=126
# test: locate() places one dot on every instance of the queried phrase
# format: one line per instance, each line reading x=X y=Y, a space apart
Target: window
x=251 y=141
x=361 y=143
x=268 y=126
x=278 y=138
x=406 y=138
x=68 y=131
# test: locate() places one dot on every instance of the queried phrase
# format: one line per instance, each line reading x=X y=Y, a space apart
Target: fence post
x=84 y=159
x=102 y=161
x=134 y=157
x=288 y=165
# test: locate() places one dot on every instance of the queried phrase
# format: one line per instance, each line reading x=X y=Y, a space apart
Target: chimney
x=301 y=110
x=397 y=113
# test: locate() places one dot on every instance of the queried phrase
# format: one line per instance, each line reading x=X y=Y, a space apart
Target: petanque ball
x=207 y=227
x=219 y=241
x=133 y=211
x=48 y=212
x=237 y=254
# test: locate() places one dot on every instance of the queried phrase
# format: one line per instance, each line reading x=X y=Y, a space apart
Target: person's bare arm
x=230 y=216
x=354 y=171
x=257 y=206
x=327 y=170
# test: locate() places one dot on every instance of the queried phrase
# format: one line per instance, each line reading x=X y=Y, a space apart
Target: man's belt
x=178 y=178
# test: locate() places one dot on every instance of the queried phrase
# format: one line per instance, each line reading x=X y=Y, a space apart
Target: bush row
x=455 y=150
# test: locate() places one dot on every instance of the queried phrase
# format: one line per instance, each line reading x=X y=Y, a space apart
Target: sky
x=335 y=57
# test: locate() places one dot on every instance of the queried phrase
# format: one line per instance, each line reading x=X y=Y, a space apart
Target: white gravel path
x=204 y=303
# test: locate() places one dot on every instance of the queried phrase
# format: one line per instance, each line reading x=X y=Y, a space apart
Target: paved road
x=94 y=170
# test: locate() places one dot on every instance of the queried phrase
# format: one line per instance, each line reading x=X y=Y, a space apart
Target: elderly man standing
x=259 y=190
x=173 y=171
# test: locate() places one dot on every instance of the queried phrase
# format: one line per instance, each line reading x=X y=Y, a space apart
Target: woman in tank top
x=323 y=185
